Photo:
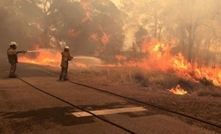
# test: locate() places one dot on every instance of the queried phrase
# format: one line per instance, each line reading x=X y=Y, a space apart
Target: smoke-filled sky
x=116 y=2
x=187 y=24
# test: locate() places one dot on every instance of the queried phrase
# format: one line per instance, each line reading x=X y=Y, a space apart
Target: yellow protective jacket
x=12 y=56
x=65 y=58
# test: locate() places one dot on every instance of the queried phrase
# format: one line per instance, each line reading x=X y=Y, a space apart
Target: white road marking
x=109 y=111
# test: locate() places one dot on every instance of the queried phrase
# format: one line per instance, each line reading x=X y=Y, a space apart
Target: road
x=49 y=107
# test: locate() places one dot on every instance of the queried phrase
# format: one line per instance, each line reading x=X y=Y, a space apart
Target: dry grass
x=202 y=99
x=136 y=77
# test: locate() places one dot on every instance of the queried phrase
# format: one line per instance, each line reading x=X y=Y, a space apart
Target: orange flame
x=48 y=58
x=120 y=57
x=43 y=58
x=158 y=57
x=105 y=37
x=86 y=5
x=178 y=90
x=94 y=37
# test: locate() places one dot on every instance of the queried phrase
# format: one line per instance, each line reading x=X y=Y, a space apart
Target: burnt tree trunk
x=191 y=44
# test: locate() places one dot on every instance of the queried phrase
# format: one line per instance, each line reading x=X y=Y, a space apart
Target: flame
x=94 y=37
x=105 y=37
x=86 y=5
x=120 y=57
x=53 y=59
x=45 y=57
x=178 y=90
x=158 y=57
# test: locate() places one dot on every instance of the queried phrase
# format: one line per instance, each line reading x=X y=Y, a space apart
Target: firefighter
x=13 y=59
x=64 y=63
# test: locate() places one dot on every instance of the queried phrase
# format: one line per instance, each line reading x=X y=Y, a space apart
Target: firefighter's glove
x=70 y=58
x=23 y=51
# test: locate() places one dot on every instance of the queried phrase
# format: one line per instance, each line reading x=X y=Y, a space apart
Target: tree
x=19 y=25
x=192 y=18
x=185 y=23
x=97 y=28
x=140 y=36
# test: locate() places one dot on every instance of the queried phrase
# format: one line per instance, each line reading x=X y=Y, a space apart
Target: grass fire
x=157 y=66
x=163 y=52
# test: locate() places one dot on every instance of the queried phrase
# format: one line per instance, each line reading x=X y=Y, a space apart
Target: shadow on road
x=45 y=118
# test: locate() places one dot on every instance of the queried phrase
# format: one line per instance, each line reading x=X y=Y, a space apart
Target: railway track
x=146 y=104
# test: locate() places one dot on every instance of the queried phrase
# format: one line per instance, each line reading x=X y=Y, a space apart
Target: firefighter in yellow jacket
x=13 y=59
x=66 y=57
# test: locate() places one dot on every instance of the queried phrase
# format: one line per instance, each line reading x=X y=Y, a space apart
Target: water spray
x=34 y=51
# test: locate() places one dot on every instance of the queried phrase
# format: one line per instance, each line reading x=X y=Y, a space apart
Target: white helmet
x=66 y=47
x=13 y=43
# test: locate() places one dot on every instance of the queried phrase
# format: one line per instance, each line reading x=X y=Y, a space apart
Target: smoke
x=105 y=25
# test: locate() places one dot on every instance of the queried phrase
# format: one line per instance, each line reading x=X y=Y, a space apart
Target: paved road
x=48 y=109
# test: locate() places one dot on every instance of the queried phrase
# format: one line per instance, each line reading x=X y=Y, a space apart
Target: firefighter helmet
x=13 y=44
x=66 y=47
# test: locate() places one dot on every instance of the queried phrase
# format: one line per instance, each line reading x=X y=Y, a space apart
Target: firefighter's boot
x=60 y=78
x=65 y=77
x=12 y=75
